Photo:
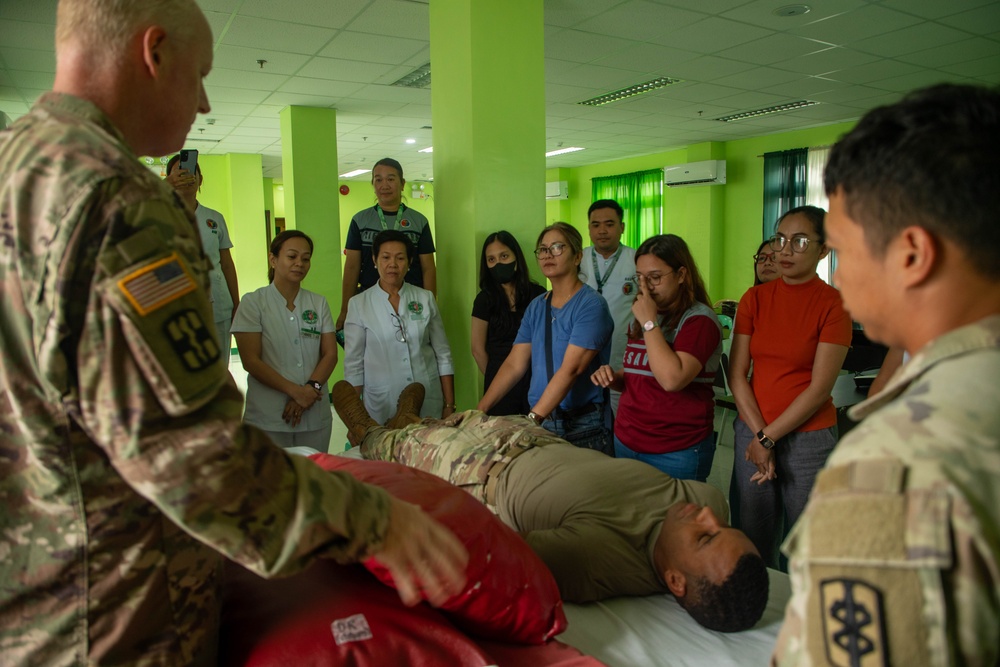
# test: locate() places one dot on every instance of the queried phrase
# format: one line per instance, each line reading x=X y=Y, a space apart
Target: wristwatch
x=318 y=386
x=535 y=417
x=765 y=441
x=649 y=326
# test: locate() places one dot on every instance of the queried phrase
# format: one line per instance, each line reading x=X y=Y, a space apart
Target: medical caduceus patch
x=853 y=628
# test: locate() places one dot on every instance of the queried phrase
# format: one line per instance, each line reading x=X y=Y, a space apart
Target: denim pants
x=695 y=462
x=589 y=431
x=767 y=511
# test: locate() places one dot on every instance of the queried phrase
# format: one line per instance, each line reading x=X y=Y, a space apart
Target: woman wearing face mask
x=796 y=332
x=667 y=409
x=505 y=290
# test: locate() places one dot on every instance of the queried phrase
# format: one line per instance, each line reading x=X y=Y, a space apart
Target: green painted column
x=488 y=111
x=705 y=220
x=309 y=174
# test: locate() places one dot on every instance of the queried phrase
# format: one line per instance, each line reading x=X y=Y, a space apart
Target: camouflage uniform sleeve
x=156 y=396
x=884 y=574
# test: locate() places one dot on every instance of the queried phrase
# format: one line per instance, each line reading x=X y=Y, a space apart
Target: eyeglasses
x=762 y=257
x=652 y=279
x=799 y=243
x=400 y=329
x=555 y=249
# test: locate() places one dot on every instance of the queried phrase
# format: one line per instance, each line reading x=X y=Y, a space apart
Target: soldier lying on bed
x=604 y=526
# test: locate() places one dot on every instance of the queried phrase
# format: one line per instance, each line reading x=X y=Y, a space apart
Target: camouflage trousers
x=460 y=449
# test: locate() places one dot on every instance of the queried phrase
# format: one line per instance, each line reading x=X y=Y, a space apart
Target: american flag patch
x=156 y=285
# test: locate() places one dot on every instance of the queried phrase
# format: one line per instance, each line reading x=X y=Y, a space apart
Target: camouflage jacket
x=122 y=454
x=896 y=560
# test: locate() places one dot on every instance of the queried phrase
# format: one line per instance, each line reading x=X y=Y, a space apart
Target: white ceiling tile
x=252 y=79
x=25 y=79
x=903 y=84
x=603 y=78
x=711 y=35
x=806 y=88
x=984 y=68
x=565 y=13
x=265 y=123
x=245 y=95
x=648 y=57
x=933 y=9
x=298 y=84
x=394 y=18
x=856 y=24
x=228 y=56
x=950 y=54
x=343 y=70
x=980 y=21
x=761 y=13
x=31 y=60
x=775 y=48
x=350 y=45
x=29 y=10
x=910 y=39
x=829 y=60
x=757 y=78
x=398 y=95
x=283 y=99
x=874 y=71
x=308 y=12
x=640 y=20
x=582 y=47
x=217 y=22
x=708 y=68
x=27 y=35
x=277 y=35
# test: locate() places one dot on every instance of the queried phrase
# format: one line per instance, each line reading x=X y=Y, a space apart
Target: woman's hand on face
x=603 y=376
x=644 y=308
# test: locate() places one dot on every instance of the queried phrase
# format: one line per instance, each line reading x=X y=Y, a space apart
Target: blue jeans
x=695 y=462
x=769 y=510
x=589 y=431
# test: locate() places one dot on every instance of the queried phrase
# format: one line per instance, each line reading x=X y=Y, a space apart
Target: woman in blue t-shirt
x=565 y=336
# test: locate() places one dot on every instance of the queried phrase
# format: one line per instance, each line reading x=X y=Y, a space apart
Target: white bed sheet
x=655 y=631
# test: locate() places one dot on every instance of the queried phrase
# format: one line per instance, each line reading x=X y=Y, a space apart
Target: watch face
x=648 y=326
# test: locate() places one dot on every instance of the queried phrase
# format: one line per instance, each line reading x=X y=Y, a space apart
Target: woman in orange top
x=796 y=332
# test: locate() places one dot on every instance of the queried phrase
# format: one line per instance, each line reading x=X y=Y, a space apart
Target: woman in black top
x=505 y=292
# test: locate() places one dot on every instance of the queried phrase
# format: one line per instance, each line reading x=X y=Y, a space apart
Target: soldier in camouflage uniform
x=896 y=560
x=125 y=473
x=604 y=527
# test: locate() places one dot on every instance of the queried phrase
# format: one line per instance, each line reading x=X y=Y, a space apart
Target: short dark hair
x=390 y=236
x=928 y=160
x=734 y=605
x=814 y=214
x=607 y=203
x=279 y=241
x=389 y=162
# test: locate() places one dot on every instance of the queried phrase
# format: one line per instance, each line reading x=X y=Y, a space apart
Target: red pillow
x=333 y=614
x=510 y=595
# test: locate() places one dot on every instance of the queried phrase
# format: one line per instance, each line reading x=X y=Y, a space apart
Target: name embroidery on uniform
x=155 y=285
x=194 y=344
x=853 y=628
x=310 y=317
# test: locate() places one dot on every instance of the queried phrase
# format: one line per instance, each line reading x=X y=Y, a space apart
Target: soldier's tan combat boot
x=352 y=412
x=411 y=399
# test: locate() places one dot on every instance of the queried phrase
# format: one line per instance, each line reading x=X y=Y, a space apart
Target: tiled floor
x=722 y=467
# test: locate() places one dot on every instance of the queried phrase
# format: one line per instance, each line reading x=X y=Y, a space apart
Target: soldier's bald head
x=103 y=29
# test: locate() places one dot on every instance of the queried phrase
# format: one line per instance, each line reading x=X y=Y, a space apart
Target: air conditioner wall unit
x=707 y=172
x=557 y=190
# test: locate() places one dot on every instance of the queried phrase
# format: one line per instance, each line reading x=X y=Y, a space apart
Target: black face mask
x=503 y=273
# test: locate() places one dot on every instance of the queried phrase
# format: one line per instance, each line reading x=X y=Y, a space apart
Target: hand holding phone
x=189 y=161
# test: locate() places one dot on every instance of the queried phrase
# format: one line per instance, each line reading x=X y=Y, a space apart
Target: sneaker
x=411 y=399
x=352 y=412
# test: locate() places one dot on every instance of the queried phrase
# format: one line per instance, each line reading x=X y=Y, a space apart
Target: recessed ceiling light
x=631 y=91
x=778 y=108
x=356 y=172
x=792 y=10
x=411 y=141
x=560 y=151
x=429 y=149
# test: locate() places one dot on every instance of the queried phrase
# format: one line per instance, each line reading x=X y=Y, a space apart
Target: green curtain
x=784 y=185
x=640 y=194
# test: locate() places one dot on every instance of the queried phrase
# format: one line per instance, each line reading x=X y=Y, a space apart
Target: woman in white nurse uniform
x=393 y=335
x=287 y=345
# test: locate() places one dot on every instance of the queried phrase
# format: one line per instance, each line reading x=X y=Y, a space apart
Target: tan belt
x=493 y=474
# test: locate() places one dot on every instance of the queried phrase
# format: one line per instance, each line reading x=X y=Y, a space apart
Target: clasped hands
x=301 y=399
x=763 y=459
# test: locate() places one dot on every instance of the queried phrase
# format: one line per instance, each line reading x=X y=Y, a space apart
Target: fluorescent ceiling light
x=418 y=78
x=411 y=141
x=356 y=172
x=631 y=91
x=778 y=108
x=560 y=151
x=429 y=149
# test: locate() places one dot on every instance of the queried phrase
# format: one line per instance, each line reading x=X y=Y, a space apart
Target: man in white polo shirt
x=609 y=268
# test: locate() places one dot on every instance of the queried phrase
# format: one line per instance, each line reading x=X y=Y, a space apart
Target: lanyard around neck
x=601 y=282
x=381 y=215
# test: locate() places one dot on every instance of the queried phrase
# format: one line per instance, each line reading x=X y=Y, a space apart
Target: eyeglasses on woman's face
x=652 y=279
x=799 y=242
x=762 y=257
x=400 y=329
x=554 y=250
